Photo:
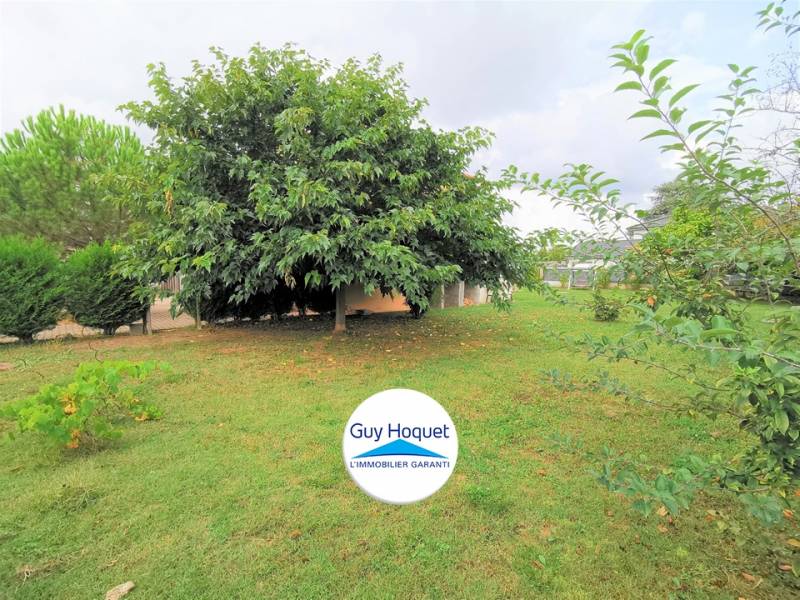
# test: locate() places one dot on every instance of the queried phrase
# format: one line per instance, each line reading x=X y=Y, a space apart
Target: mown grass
x=240 y=490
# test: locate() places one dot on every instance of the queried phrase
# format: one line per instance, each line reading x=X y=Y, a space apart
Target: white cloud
x=536 y=212
x=535 y=73
x=694 y=23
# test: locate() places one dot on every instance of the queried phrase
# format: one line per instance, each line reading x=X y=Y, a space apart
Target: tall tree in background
x=66 y=177
x=668 y=197
x=280 y=169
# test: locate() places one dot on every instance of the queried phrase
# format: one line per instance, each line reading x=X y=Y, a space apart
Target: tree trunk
x=198 y=322
x=341 y=306
x=147 y=321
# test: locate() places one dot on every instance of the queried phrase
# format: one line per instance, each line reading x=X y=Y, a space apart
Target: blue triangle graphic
x=399 y=448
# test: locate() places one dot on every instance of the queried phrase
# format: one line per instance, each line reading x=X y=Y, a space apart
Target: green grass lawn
x=240 y=490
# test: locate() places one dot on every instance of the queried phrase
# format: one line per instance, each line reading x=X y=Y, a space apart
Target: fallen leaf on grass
x=295 y=534
x=793 y=543
x=662 y=512
x=119 y=591
x=785 y=568
x=662 y=528
x=747 y=577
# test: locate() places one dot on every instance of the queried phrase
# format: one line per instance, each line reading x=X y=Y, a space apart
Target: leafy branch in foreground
x=774 y=15
x=740 y=235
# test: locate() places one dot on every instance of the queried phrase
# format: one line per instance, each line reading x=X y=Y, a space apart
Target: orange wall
x=455 y=295
x=356 y=299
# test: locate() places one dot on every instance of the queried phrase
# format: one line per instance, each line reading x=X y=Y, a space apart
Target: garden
x=637 y=438
x=239 y=489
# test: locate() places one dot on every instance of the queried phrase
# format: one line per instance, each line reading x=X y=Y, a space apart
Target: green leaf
x=661 y=84
x=781 y=421
x=717 y=332
x=661 y=66
x=607 y=182
x=647 y=112
x=659 y=133
x=698 y=124
x=681 y=93
x=312 y=279
x=641 y=52
x=629 y=85
x=707 y=131
x=675 y=114
x=636 y=37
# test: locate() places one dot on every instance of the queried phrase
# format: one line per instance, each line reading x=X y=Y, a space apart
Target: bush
x=605 y=309
x=277 y=302
x=95 y=294
x=214 y=308
x=633 y=281
x=602 y=278
x=85 y=409
x=563 y=279
x=30 y=287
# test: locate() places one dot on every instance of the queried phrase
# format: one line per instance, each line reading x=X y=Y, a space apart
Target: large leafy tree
x=280 y=169
x=67 y=178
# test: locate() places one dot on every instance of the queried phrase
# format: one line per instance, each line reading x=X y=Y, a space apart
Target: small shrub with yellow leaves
x=88 y=408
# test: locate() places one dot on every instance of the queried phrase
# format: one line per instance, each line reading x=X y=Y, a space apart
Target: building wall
x=356 y=299
x=475 y=294
x=453 y=295
x=456 y=294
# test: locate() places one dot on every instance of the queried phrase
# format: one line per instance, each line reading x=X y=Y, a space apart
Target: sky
x=535 y=73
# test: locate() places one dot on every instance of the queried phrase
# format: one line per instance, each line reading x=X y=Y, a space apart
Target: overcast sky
x=535 y=73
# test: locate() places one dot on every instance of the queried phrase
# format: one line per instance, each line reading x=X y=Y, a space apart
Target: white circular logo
x=400 y=446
